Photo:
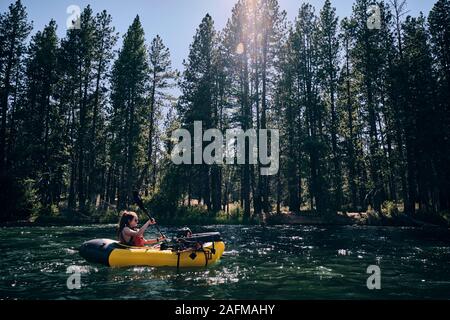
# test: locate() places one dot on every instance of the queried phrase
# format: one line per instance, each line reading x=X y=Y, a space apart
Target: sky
x=174 y=20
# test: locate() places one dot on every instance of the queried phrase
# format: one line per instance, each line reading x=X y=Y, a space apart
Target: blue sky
x=174 y=20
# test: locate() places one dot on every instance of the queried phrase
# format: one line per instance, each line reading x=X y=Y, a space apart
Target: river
x=279 y=262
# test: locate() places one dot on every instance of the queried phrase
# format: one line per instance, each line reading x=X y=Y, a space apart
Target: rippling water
x=289 y=262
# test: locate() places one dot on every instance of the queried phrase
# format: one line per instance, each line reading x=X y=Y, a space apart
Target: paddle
x=140 y=204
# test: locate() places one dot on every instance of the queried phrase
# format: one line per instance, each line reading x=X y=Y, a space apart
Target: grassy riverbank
x=197 y=215
x=179 y=217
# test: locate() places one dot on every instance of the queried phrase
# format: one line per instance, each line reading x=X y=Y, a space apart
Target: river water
x=280 y=262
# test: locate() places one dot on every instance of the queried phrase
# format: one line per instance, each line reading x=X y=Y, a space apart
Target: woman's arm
x=152 y=241
x=141 y=231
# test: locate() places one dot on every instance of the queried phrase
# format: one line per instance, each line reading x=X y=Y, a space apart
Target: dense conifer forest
x=361 y=103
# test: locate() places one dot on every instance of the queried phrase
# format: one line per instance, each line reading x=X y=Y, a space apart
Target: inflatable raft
x=112 y=253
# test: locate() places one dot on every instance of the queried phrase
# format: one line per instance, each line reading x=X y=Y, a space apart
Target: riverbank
x=286 y=218
x=185 y=216
x=357 y=218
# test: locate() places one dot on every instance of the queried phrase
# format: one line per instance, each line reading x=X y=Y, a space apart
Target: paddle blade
x=138 y=201
x=136 y=198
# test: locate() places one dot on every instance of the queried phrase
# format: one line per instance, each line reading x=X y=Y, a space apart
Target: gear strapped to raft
x=186 y=241
x=191 y=242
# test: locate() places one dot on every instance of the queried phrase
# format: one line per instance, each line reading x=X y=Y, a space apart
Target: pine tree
x=39 y=147
x=328 y=60
x=369 y=58
x=439 y=24
x=348 y=115
x=308 y=75
x=421 y=114
x=291 y=124
x=252 y=39
x=162 y=78
x=396 y=82
x=104 y=38
x=14 y=29
x=86 y=61
x=268 y=38
x=237 y=41
x=197 y=100
x=129 y=97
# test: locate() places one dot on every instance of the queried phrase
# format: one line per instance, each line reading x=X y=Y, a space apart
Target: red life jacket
x=133 y=242
x=138 y=241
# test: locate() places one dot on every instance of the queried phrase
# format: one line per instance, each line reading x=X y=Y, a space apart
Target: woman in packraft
x=130 y=235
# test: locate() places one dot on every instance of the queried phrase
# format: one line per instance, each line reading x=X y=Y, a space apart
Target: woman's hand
x=150 y=222
x=162 y=238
